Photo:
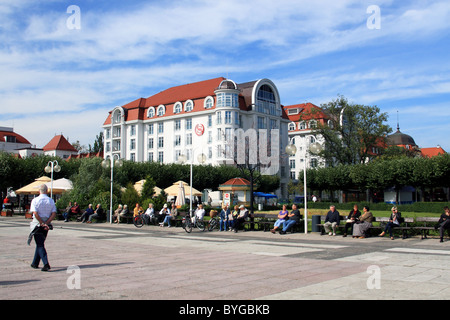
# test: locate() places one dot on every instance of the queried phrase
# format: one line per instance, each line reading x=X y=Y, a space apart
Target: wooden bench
x=429 y=223
x=404 y=227
x=266 y=222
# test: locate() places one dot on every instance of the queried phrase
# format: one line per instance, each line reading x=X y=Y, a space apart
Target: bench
x=429 y=223
x=382 y=220
x=266 y=222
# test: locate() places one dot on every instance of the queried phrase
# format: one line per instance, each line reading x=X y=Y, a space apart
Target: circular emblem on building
x=199 y=129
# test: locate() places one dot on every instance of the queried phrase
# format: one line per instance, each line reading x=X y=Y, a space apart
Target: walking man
x=44 y=211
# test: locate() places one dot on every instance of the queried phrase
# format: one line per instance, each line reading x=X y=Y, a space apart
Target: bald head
x=43 y=189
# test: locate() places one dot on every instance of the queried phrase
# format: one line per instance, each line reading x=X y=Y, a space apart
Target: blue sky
x=56 y=79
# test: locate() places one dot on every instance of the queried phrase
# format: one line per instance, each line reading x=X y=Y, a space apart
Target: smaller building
x=12 y=142
x=236 y=191
x=59 y=147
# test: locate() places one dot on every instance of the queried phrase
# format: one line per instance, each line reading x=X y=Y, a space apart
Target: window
x=151 y=112
x=210 y=152
x=219 y=134
x=133 y=130
x=219 y=117
x=227 y=117
x=133 y=144
x=291 y=126
x=228 y=134
x=177 y=125
x=161 y=156
x=161 y=127
x=150 y=156
x=210 y=137
x=178 y=107
x=314 y=163
x=236 y=118
x=150 y=143
x=313 y=124
x=117 y=132
x=178 y=141
x=262 y=123
x=302 y=125
x=108 y=133
x=188 y=105
x=108 y=146
x=161 y=110
x=150 y=128
x=227 y=100
x=188 y=124
x=177 y=155
x=292 y=175
x=160 y=142
x=266 y=102
x=133 y=157
x=209 y=120
x=292 y=164
x=209 y=102
x=189 y=139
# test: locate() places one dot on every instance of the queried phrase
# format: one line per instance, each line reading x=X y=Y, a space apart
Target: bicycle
x=138 y=221
x=213 y=224
x=188 y=224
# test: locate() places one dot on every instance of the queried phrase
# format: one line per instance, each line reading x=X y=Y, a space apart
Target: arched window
x=209 y=102
x=178 y=107
x=291 y=126
x=188 y=106
x=161 y=111
x=266 y=101
x=312 y=124
x=151 y=112
x=302 y=125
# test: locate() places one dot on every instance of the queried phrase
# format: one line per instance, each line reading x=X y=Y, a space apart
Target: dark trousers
x=348 y=225
x=40 y=252
x=389 y=227
x=444 y=226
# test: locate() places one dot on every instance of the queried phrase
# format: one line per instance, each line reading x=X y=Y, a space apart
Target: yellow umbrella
x=33 y=188
x=175 y=188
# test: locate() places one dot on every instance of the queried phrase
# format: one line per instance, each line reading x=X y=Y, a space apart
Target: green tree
x=351 y=132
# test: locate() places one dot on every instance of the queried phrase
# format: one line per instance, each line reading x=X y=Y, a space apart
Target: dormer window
x=151 y=112
x=188 y=106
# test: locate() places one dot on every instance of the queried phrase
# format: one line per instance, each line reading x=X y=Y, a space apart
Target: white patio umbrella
x=180 y=196
x=59 y=186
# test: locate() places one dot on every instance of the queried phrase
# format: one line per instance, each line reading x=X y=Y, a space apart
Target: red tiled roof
x=432 y=152
x=237 y=182
x=19 y=138
x=308 y=111
x=59 y=143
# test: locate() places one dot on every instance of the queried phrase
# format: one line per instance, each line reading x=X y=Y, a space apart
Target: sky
x=65 y=64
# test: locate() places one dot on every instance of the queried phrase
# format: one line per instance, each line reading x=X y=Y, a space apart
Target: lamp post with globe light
x=314 y=148
x=109 y=163
x=52 y=166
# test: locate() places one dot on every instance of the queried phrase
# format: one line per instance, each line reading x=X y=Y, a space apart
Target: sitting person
x=293 y=219
x=224 y=213
x=232 y=217
x=99 y=214
x=123 y=214
x=444 y=223
x=149 y=215
x=117 y=213
x=394 y=221
x=87 y=213
x=352 y=217
x=364 y=224
x=332 y=220
x=162 y=214
x=243 y=215
x=137 y=210
x=282 y=217
x=199 y=213
x=167 y=218
x=67 y=211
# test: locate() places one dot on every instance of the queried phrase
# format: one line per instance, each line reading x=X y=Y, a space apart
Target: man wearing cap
x=162 y=214
x=44 y=211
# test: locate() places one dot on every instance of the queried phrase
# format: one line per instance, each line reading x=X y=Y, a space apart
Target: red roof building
x=58 y=146
x=432 y=152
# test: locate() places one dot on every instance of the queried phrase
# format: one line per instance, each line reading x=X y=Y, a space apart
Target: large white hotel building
x=199 y=118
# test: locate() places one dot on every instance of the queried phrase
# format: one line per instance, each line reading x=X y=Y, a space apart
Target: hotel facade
x=201 y=119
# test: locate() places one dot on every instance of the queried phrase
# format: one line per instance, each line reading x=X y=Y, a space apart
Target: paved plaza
x=120 y=262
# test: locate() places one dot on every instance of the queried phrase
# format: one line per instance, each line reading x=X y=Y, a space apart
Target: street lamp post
x=314 y=148
x=52 y=166
x=109 y=162
x=201 y=158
